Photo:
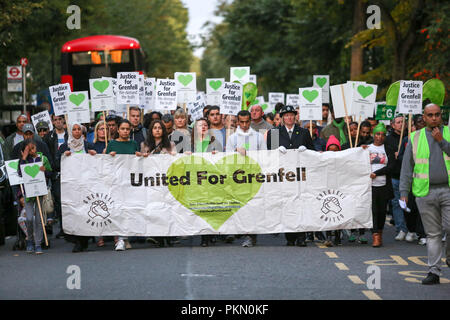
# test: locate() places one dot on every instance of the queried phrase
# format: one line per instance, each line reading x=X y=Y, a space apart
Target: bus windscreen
x=100 y=57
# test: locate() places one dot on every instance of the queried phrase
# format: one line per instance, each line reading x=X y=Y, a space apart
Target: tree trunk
x=356 y=68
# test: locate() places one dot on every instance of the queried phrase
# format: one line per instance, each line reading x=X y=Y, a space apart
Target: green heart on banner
x=77 y=99
x=185 y=79
x=101 y=86
x=310 y=95
x=208 y=199
x=321 y=81
x=239 y=72
x=364 y=91
x=14 y=165
x=32 y=171
x=215 y=84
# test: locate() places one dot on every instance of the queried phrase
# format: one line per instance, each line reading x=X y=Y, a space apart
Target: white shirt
x=378 y=160
x=250 y=140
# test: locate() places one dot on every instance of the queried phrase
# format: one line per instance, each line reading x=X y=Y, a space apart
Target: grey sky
x=200 y=11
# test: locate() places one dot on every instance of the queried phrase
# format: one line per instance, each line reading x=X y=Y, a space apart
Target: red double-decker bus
x=99 y=56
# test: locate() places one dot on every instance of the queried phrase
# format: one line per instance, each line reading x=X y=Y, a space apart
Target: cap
x=380 y=127
x=286 y=109
x=27 y=127
x=41 y=125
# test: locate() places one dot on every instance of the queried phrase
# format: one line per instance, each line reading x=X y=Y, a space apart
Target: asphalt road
x=187 y=271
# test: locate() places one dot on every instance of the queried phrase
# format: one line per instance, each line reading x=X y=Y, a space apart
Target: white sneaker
x=120 y=245
x=400 y=236
x=444 y=237
x=411 y=237
x=423 y=241
x=248 y=242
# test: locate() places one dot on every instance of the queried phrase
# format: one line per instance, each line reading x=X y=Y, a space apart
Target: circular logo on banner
x=99 y=209
x=331 y=205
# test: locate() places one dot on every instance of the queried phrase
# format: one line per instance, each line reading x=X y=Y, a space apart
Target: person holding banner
x=112 y=121
x=34 y=225
x=182 y=134
x=426 y=168
x=290 y=136
x=382 y=163
x=138 y=132
x=319 y=143
x=216 y=126
x=258 y=123
x=100 y=132
x=123 y=145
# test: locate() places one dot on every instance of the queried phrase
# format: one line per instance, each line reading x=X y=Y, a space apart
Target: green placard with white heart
x=79 y=107
x=214 y=88
x=323 y=81
x=33 y=180
x=186 y=86
x=310 y=103
x=241 y=74
x=11 y=170
x=102 y=96
x=363 y=100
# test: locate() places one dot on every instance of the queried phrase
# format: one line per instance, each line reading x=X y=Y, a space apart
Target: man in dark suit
x=290 y=136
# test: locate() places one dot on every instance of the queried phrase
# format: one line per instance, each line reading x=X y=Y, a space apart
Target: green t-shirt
x=122 y=147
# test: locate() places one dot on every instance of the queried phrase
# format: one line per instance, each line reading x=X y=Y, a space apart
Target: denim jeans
x=399 y=216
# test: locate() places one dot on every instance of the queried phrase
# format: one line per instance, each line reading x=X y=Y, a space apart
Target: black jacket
x=40 y=147
x=139 y=134
x=391 y=143
x=51 y=139
x=300 y=137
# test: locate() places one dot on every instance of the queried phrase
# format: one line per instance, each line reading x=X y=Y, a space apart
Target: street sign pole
x=24 y=85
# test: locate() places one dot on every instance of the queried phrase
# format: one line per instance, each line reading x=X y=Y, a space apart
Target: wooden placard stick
x=128 y=112
x=346 y=116
x=357 y=132
x=401 y=135
x=42 y=221
x=310 y=128
x=409 y=124
x=106 y=130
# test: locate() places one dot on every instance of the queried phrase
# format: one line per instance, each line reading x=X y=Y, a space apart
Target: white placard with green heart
x=149 y=91
x=310 y=103
x=166 y=94
x=241 y=74
x=363 y=104
x=33 y=180
x=128 y=88
x=293 y=100
x=323 y=81
x=101 y=93
x=214 y=88
x=410 y=97
x=42 y=116
x=60 y=98
x=11 y=170
x=186 y=86
x=223 y=193
x=231 y=98
x=195 y=109
x=274 y=98
x=79 y=107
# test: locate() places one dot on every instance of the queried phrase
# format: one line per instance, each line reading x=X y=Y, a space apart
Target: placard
x=141 y=91
x=293 y=100
x=363 y=101
x=195 y=108
x=42 y=116
x=102 y=95
x=231 y=98
x=323 y=81
x=340 y=94
x=310 y=103
x=214 y=88
x=128 y=88
x=166 y=94
x=119 y=108
x=186 y=86
x=410 y=97
x=34 y=179
x=78 y=107
x=252 y=79
x=241 y=74
x=60 y=98
x=274 y=98
x=149 y=92
x=11 y=169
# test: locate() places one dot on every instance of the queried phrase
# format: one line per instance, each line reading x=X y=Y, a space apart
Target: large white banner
x=223 y=193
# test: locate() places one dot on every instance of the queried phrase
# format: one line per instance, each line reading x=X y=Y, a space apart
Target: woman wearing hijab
x=75 y=144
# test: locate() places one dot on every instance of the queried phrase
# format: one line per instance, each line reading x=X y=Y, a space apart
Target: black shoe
x=290 y=243
x=431 y=279
x=301 y=243
x=161 y=242
x=320 y=236
x=60 y=235
x=448 y=263
x=310 y=237
x=78 y=247
x=229 y=239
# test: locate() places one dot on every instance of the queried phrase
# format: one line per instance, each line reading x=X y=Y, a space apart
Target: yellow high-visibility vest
x=421 y=156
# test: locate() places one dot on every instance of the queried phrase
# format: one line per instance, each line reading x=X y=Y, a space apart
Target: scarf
x=340 y=126
x=75 y=144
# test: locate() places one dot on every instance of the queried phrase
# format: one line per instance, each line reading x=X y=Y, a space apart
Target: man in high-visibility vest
x=426 y=167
